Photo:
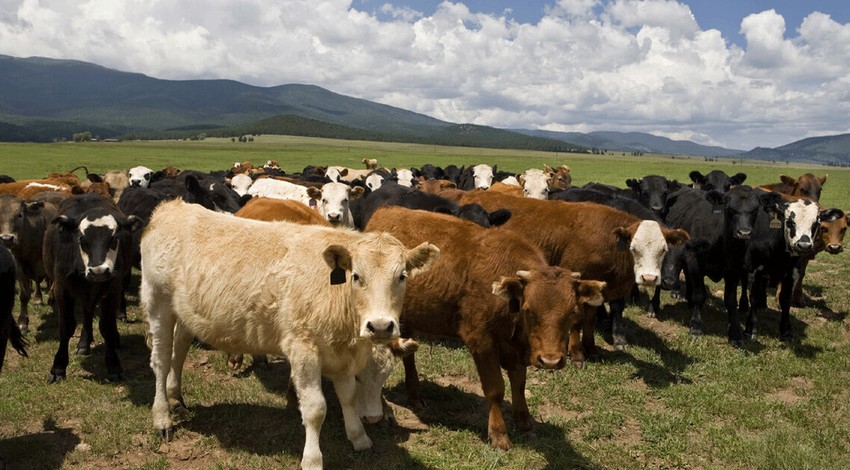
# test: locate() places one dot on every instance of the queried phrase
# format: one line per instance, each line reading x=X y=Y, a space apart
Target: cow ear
x=32 y=207
x=788 y=180
x=343 y=172
x=589 y=292
x=65 y=223
x=548 y=169
x=356 y=192
x=674 y=186
x=339 y=259
x=831 y=215
x=420 y=258
x=738 y=179
x=314 y=193
x=676 y=237
x=633 y=183
x=521 y=178
x=624 y=238
x=133 y=223
x=510 y=289
x=696 y=177
x=771 y=202
x=499 y=217
x=823 y=180
x=192 y=184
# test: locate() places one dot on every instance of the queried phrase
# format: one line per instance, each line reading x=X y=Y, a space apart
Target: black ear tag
x=513 y=305
x=775 y=223
x=337 y=276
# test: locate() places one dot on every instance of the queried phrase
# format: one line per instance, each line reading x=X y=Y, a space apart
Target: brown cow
x=435 y=186
x=560 y=177
x=271 y=209
x=504 y=188
x=807 y=185
x=598 y=241
x=524 y=323
x=26 y=189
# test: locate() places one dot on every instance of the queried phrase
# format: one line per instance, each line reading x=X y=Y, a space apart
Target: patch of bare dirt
x=628 y=434
x=798 y=390
x=548 y=413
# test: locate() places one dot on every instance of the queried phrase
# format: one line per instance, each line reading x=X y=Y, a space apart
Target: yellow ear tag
x=775 y=223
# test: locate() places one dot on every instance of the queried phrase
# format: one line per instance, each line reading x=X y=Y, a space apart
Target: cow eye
x=355 y=277
x=324 y=201
x=402 y=277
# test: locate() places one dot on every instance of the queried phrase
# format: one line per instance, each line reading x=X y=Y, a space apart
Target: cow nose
x=136 y=183
x=804 y=246
x=381 y=329
x=8 y=240
x=333 y=217
x=656 y=208
x=551 y=361
x=743 y=234
x=834 y=249
x=98 y=272
x=648 y=278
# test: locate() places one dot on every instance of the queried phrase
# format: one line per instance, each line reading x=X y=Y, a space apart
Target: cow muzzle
x=550 y=361
x=743 y=234
x=380 y=329
x=9 y=240
x=804 y=247
x=834 y=249
x=98 y=273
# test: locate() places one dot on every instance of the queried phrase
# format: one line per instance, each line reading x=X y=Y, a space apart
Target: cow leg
x=493 y=386
x=654 y=303
x=161 y=326
x=37 y=295
x=695 y=294
x=758 y=302
x=87 y=331
x=346 y=389
x=786 y=333
x=747 y=283
x=108 y=327
x=306 y=375
x=125 y=286
x=235 y=361
x=617 y=328
x=730 y=298
x=67 y=326
x=588 y=340
x=797 y=297
x=411 y=380
x=521 y=415
x=577 y=324
x=26 y=293
x=174 y=385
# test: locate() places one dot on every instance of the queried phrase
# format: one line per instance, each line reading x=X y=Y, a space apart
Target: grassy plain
x=668 y=401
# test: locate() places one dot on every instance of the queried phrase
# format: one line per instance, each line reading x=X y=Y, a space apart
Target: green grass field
x=668 y=401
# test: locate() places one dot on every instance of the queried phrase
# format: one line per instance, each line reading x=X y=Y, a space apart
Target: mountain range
x=49 y=99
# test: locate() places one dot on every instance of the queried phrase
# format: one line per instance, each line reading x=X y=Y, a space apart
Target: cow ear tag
x=775 y=223
x=513 y=305
x=337 y=276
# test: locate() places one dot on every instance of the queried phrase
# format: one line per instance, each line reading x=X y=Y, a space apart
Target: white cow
x=374 y=181
x=322 y=300
x=340 y=174
x=140 y=176
x=278 y=189
x=241 y=183
x=405 y=177
x=483 y=176
x=333 y=202
x=535 y=183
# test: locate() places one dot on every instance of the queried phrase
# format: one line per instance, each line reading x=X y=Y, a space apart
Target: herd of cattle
x=359 y=261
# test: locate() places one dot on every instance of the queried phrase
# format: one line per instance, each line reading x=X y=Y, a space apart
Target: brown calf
x=598 y=241
x=495 y=291
x=807 y=185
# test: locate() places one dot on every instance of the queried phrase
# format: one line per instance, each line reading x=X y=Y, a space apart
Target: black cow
x=716 y=180
x=22 y=227
x=780 y=237
x=87 y=254
x=393 y=194
x=9 y=332
x=429 y=172
x=452 y=173
x=652 y=192
x=720 y=226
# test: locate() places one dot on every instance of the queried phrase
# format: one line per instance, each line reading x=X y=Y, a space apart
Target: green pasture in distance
x=294 y=153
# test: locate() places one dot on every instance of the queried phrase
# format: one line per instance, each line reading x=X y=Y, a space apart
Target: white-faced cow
x=333 y=202
x=535 y=183
x=87 y=254
x=140 y=176
x=322 y=300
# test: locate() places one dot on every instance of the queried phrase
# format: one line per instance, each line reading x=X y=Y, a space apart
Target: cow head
x=740 y=208
x=482 y=176
x=376 y=272
x=808 y=185
x=404 y=177
x=477 y=214
x=800 y=222
x=333 y=202
x=374 y=181
x=559 y=178
x=98 y=236
x=833 y=227
x=213 y=195
x=716 y=180
x=647 y=241
x=240 y=183
x=652 y=191
x=546 y=301
x=370 y=404
x=336 y=173
x=140 y=176
x=11 y=216
x=535 y=183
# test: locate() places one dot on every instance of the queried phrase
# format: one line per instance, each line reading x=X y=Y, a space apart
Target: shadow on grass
x=458 y=410
x=43 y=450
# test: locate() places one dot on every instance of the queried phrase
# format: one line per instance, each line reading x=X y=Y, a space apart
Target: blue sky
x=737 y=74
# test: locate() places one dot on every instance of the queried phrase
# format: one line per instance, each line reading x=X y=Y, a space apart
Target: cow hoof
x=578 y=364
x=620 y=347
x=55 y=377
x=180 y=411
x=115 y=378
x=83 y=351
x=651 y=314
x=736 y=343
x=786 y=339
x=24 y=327
x=500 y=441
x=165 y=434
x=696 y=333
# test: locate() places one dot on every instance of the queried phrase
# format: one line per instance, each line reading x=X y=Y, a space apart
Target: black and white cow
x=140 y=176
x=780 y=237
x=87 y=254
